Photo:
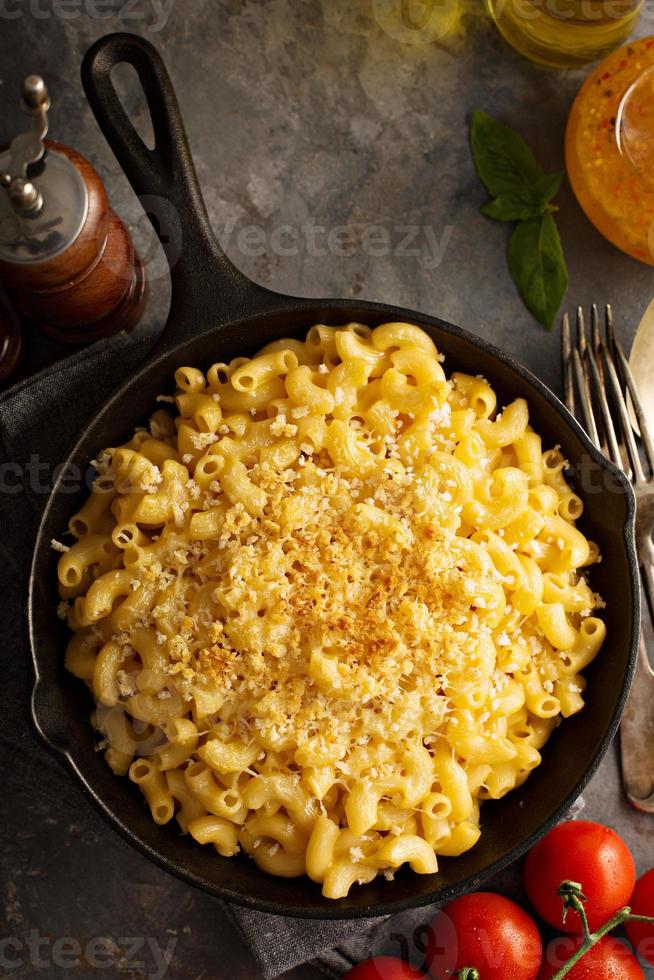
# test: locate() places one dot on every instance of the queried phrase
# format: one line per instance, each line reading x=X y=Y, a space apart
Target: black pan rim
x=340 y=911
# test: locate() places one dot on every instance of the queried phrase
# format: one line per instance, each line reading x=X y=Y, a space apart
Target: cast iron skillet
x=218 y=314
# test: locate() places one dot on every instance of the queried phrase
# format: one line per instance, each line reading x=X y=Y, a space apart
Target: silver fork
x=596 y=377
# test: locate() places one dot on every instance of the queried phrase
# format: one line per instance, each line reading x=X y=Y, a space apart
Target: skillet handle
x=205 y=285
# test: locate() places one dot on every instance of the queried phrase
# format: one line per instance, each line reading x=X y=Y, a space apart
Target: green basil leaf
x=511 y=207
x=538 y=268
x=549 y=187
x=516 y=205
x=503 y=160
x=522 y=192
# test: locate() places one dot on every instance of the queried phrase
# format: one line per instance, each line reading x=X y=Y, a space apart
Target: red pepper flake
x=606 y=75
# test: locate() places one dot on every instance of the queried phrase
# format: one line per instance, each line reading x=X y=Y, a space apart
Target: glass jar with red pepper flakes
x=610 y=148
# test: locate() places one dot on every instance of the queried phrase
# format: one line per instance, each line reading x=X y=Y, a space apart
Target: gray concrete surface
x=314 y=116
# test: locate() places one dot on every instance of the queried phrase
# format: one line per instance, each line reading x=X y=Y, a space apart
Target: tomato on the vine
x=641 y=934
x=609 y=959
x=485 y=931
x=384 y=968
x=588 y=853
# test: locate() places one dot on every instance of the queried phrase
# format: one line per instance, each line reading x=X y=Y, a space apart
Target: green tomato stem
x=574 y=898
x=467 y=973
x=594 y=937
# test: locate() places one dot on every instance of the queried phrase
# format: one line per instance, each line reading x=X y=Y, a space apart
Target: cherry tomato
x=588 y=853
x=641 y=934
x=384 y=968
x=609 y=959
x=485 y=931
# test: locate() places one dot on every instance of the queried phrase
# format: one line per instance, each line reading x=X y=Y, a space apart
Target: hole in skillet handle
x=128 y=88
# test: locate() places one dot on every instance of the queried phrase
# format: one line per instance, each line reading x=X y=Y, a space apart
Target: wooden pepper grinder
x=66 y=259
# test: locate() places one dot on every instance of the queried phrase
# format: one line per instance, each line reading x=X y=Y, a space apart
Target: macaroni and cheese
x=328 y=602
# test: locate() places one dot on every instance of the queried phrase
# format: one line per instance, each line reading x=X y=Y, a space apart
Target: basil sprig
x=521 y=191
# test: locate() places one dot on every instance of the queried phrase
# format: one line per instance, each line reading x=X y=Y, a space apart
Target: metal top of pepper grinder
x=43 y=212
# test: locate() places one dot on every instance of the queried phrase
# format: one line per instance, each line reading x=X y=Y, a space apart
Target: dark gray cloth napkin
x=279 y=944
x=39 y=419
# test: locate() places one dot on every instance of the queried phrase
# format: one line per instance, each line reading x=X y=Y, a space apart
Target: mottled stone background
x=310 y=115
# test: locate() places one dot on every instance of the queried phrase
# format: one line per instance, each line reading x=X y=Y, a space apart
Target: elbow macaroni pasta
x=330 y=605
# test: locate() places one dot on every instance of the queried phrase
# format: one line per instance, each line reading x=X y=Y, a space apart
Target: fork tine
x=566 y=362
x=610 y=331
x=585 y=398
x=582 y=344
x=584 y=348
x=582 y=340
x=609 y=428
x=627 y=430
x=628 y=377
x=596 y=337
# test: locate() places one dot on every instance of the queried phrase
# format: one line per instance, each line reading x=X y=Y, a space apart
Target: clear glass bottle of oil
x=565 y=33
x=610 y=148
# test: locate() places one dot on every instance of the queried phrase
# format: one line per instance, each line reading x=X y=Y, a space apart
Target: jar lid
x=10 y=338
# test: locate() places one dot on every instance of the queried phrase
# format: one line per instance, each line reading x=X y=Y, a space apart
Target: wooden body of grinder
x=66 y=259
